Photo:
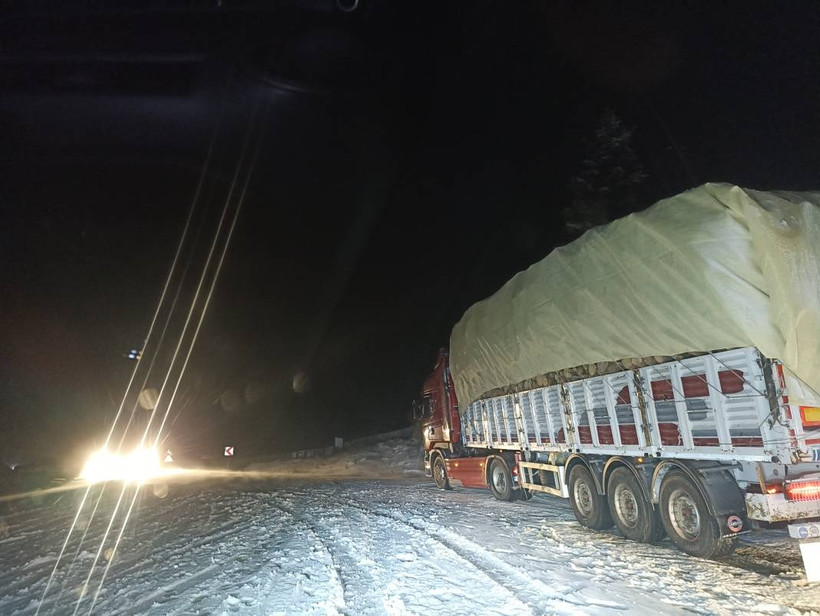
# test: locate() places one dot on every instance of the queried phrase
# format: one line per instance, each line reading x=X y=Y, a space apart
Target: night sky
x=415 y=156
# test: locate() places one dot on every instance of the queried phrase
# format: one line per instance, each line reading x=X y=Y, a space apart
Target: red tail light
x=803 y=490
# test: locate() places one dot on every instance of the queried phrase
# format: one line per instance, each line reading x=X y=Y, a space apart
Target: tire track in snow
x=54 y=536
x=773 y=577
x=496 y=569
x=364 y=591
x=319 y=500
x=517 y=601
x=217 y=542
x=348 y=571
x=248 y=561
x=693 y=584
x=766 y=560
x=293 y=557
x=173 y=542
x=160 y=592
x=339 y=590
x=35 y=578
x=132 y=561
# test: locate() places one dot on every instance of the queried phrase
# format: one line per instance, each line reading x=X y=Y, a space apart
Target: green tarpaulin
x=715 y=267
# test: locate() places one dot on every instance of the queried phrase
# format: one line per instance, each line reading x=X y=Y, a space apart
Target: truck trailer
x=661 y=372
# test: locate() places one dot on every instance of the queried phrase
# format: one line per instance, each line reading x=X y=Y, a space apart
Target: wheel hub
x=583 y=498
x=626 y=505
x=684 y=515
x=438 y=471
x=499 y=478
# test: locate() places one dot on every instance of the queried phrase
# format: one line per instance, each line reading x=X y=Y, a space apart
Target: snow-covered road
x=381 y=547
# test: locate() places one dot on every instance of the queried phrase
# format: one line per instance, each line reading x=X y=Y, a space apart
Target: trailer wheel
x=500 y=481
x=687 y=520
x=440 y=473
x=633 y=514
x=590 y=508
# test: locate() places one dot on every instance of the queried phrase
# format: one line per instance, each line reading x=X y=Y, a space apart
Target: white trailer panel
x=714 y=406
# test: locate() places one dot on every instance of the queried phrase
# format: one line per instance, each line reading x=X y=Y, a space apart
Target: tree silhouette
x=608 y=185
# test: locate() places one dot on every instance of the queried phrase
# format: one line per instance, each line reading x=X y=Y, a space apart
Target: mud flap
x=733 y=524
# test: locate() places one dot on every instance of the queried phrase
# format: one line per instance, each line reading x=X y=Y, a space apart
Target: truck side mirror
x=417 y=410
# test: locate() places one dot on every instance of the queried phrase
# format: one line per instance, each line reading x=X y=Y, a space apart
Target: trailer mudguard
x=643 y=473
x=717 y=486
x=594 y=465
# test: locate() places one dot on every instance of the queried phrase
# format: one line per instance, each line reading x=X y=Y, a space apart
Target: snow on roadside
x=350 y=546
x=393 y=458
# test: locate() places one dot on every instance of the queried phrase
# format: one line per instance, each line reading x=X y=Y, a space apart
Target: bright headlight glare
x=136 y=466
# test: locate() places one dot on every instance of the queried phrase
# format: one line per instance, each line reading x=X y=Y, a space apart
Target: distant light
x=134 y=354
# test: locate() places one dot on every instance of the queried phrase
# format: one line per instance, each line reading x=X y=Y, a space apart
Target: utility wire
x=154 y=318
x=214 y=243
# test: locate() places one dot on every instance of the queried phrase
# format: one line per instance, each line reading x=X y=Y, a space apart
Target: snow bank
x=395 y=457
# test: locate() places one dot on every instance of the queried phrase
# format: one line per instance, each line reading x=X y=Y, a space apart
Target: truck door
x=431 y=427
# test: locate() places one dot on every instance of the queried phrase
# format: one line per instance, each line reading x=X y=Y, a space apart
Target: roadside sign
x=228 y=451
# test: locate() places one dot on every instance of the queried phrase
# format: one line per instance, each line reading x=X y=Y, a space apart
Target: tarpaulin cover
x=713 y=268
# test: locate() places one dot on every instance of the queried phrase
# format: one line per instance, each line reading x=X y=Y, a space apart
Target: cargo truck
x=660 y=372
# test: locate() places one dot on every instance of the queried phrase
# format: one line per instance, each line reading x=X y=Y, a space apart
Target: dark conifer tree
x=608 y=185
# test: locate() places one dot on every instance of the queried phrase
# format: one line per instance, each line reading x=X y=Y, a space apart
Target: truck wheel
x=440 y=473
x=633 y=514
x=687 y=520
x=590 y=508
x=500 y=481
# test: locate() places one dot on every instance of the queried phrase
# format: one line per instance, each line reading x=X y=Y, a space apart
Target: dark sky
x=415 y=156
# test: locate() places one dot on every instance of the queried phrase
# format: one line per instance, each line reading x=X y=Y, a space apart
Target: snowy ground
x=380 y=546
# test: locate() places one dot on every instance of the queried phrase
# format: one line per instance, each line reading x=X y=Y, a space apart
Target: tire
x=440 y=473
x=634 y=516
x=500 y=481
x=590 y=508
x=687 y=520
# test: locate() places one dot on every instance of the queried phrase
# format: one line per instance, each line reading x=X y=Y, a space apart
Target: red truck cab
x=446 y=460
x=440 y=422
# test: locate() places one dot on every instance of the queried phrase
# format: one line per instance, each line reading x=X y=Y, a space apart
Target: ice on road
x=381 y=547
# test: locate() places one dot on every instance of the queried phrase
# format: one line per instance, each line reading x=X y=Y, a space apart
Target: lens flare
x=135 y=467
